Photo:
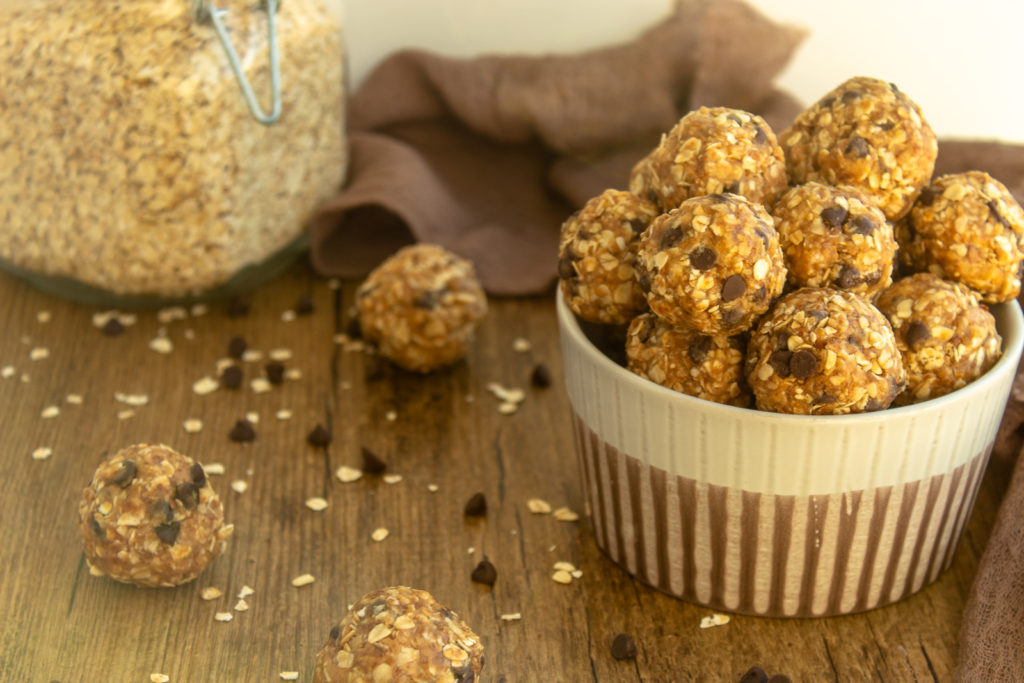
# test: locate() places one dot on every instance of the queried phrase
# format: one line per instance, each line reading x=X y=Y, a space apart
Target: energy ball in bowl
x=712 y=150
x=946 y=337
x=421 y=307
x=400 y=634
x=868 y=134
x=835 y=237
x=824 y=351
x=150 y=517
x=713 y=264
x=966 y=227
x=687 y=361
x=596 y=256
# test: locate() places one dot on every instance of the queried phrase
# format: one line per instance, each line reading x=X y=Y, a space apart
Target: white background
x=962 y=61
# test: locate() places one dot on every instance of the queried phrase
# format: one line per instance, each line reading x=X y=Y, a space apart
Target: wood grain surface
x=59 y=623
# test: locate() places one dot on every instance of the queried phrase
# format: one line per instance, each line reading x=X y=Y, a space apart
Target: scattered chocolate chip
x=242 y=431
x=637 y=225
x=671 y=237
x=188 y=494
x=428 y=300
x=643 y=278
x=703 y=258
x=566 y=271
x=95 y=525
x=916 y=333
x=372 y=464
x=779 y=360
x=112 y=327
x=168 y=532
x=759 y=135
x=824 y=399
x=320 y=436
x=335 y=632
x=698 y=350
x=927 y=197
x=125 y=475
x=731 y=317
x=237 y=347
x=623 y=647
x=827 y=102
x=860 y=225
x=304 y=305
x=198 y=475
x=803 y=364
x=231 y=378
x=541 y=376
x=848 y=278
x=734 y=188
x=885 y=125
x=833 y=217
x=476 y=506
x=162 y=508
x=354 y=330
x=858 y=147
x=238 y=307
x=994 y=210
x=275 y=373
x=755 y=674
x=733 y=287
x=850 y=96
x=484 y=573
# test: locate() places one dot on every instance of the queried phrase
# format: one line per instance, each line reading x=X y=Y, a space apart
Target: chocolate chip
x=824 y=399
x=885 y=125
x=112 y=327
x=637 y=225
x=779 y=360
x=698 y=350
x=873 y=404
x=304 y=305
x=703 y=258
x=335 y=632
x=850 y=96
x=354 y=330
x=755 y=674
x=231 y=378
x=237 y=347
x=320 y=436
x=198 y=475
x=162 y=508
x=275 y=373
x=927 y=197
x=623 y=647
x=168 y=533
x=238 y=307
x=860 y=225
x=566 y=271
x=428 y=300
x=858 y=147
x=833 y=217
x=731 y=317
x=541 y=376
x=476 y=506
x=188 y=494
x=848 y=278
x=484 y=573
x=916 y=333
x=372 y=464
x=643 y=279
x=734 y=188
x=827 y=102
x=759 y=135
x=803 y=364
x=97 y=528
x=994 y=210
x=671 y=237
x=242 y=431
x=125 y=475
x=733 y=287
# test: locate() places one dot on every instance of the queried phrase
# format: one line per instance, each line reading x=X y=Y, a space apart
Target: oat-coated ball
x=835 y=237
x=824 y=351
x=421 y=307
x=946 y=337
x=712 y=150
x=713 y=264
x=400 y=634
x=596 y=255
x=687 y=361
x=150 y=517
x=967 y=227
x=866 y=133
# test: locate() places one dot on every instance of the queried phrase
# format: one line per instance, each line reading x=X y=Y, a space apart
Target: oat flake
x=283 y=414
x=379 y=534
x=348 y=474
x=43 y=317
x=125 y=414
x=293 y=374
x=210 y=593
x=245 y=592
x=316 y=504
x=161 y=345
x=170 y=314
x=253 y=417
x=514 y=616
x=159 y=678
x=49 y=412
x=131 y=399
x=433 y=488
x=223 y=616
x=303 y=580
x=392 y=478
x=565 y=515
x=214 y=468
x=193 y=425
x=562 y=576
x=260 y=385
x=508 y=408
x=521 y=344
x=241 y=606
x=252 y=356
x=8 y=371
x=199 y=310
x=205 y=385
x=714 y=620
x=288 y=316
x=239 y=486
x=42 y=453
x=538 y=506
x=289 y=675
x=39 y=353
x=280 y=355
x=391 y=415
x=74 y=399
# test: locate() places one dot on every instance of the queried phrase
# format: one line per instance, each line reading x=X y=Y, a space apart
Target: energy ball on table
x=835 y=237
x=966 y=227
x=946 y=337
x=713 y=264
x=596 y=257
x=713 y=150
x=824 y=351
x=400 y=634
x=421 y=307
x=687 y=361
x=150 y=517
x=868 y=134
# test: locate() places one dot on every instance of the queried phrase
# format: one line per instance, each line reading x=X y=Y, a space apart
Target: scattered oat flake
x=288 y=316
x=508 y=408
x=506 y=394
x=252 y=356
x=131 y=399
x=714 y=620
x=189 y=334
x=561 y=576
x=43 y=316
x=348 y=474
x=239 y=486
x=280 y=355
x=433 y=488
x=42 y=453
x=260 y=385
x=223 y=616
x=205 y=385
x=245 y=592
x=303 y=580
x=391 y=415
x=283 y=414
x=125 y=414
x=514 y=616
x=392 y=478
x=576 y=574
x=214 y=468
x=25 y=378
x=193 y=425
x=39 y=353
x=171 y=313
x=49 y=411
x=565 y=566
x=161 y=344
x=198 y=310
x=241 y=606
x=253 y=417
x=159 y=678
x=354 y=346
x=538 y=506
x=8 y=371
x=293 y=374
x=521 y=344
x=210 y=593
x=565 y=515
x=379 y=534
x=289 y=675
x=316 y=503
x=74 y=399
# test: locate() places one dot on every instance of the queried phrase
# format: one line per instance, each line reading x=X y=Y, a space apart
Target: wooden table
x=58 y=623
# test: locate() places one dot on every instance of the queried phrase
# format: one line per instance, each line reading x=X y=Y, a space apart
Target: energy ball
x=824 y=351
x=966 y=227
x=713 y=264
x=687 y=361
x=596 y=255
x=868 y=134
x=835 y=237
x=712 y=150
x=946 y=337
x=421 y=307
x=400 y=634
x=150 y=517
